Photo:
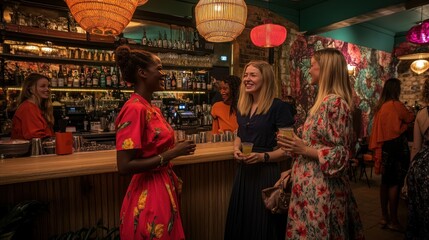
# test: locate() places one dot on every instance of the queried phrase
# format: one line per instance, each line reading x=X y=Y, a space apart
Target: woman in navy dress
x=259 y=116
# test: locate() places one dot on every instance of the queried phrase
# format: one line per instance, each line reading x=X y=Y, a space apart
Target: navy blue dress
x=247 y=217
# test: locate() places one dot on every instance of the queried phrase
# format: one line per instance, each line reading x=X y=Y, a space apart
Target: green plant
x=20 y=217
x=91 y=233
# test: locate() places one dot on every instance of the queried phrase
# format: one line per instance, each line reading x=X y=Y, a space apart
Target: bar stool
x=366 y=161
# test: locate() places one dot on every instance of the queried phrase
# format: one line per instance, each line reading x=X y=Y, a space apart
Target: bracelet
x=161 y=160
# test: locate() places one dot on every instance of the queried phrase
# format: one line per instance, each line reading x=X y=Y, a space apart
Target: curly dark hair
x=130 y=60
x=234 y=91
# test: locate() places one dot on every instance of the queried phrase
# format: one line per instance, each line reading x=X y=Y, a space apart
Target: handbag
x=277 y=198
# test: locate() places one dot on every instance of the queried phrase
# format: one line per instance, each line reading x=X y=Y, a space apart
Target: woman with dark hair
x=34 y=117
x=417 y=177
x=145 y=146
x=391 y=153
x=225 y=112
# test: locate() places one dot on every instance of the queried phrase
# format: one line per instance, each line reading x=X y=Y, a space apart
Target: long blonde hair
x=267 y=93
x=333 y=77
x=28 y=88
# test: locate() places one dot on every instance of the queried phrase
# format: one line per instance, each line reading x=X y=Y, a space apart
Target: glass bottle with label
x=114 y=77
x=144 y=38
x=61 y=77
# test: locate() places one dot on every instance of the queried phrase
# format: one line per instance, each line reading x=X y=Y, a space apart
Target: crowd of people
x=322 y=205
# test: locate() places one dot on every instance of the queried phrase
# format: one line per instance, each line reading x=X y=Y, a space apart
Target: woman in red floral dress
x=322 y=204
x=145 y=146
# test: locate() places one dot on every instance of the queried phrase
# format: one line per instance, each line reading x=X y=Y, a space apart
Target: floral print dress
x=322 y=204
x=150 y=209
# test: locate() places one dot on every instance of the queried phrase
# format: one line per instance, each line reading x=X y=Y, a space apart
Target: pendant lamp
x=268 y=35
x=141 y=2
x=220 y=20
x=419 y=33
x=107 y=17
x=419 y=66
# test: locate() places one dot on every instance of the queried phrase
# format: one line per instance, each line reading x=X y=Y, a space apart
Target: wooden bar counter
x=82 y=188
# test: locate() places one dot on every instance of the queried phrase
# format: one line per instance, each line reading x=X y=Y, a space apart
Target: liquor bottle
x=61 y=77
x=164 y=40
x=108 y=78
x=69 y=78
x=173 y=82
x=179 y=81
x=82 y=78
x=88 y=76
x=198 y=79
x=54 y=79
x=189 y=80
x=114 y=77
x=95 y=78
x=102 y=77
x=144 y=38
x=167 y=81
x=17 y=75
x=159 y=43
x=194 y=82
x=203 y=82
x=76 y=78
x=196 y=40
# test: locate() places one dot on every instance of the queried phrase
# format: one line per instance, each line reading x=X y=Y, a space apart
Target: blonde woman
x=259 y=116
x=322 y=204
x=34 y=117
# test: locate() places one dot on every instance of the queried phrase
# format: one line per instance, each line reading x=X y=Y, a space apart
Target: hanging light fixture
x=419 y=33
x=107 y=17
x=419 y=66
x=220 y=20
x=141 y=2
x=268 y=34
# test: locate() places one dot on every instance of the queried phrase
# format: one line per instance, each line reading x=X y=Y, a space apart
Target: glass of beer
x=246 y=147
x=286 y=132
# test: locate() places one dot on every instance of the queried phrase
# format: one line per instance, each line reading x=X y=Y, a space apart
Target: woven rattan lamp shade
x=107 y=17
x=220 y=20
x=141 y=2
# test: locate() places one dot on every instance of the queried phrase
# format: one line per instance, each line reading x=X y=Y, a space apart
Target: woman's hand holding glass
x=185 y=147
x=291 y=145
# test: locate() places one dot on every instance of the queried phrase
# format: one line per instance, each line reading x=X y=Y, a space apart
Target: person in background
x=214 y=94
x=391 y=153
x=145 y=146
x=260 y=115
x=322 y=204
x=417 y=177
x=34 y=117
x=225 y=112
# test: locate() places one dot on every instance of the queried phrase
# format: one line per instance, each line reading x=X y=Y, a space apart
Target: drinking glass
x=286 y=132
x=246 y=147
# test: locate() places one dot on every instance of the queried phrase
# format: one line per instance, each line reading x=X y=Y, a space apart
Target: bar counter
x=85 y=188
x=26 y=169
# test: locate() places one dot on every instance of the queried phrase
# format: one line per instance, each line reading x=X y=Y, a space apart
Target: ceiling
x=390 y=17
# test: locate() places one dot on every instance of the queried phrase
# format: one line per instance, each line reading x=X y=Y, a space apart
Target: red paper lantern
x=268 y=35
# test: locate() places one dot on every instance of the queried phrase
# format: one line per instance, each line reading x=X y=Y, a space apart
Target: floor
x=369 y=208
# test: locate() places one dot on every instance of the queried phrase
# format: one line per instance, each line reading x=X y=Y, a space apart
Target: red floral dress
x=322 y=204
x=150 y=209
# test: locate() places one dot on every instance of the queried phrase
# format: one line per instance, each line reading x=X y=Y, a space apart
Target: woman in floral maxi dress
x=322 y=204
x=145 y=146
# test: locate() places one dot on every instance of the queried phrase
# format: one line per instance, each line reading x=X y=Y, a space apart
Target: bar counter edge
x=27 y=169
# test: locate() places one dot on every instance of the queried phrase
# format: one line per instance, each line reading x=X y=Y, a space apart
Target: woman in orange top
x=34 y=117
x=224 y=113
x=392 y=155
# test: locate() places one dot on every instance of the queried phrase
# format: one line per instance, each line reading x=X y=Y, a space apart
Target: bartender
x=224 y=113
x=34 y=116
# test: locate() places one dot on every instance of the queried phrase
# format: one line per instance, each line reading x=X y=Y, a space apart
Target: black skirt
x=395 y=161
x=247 y=216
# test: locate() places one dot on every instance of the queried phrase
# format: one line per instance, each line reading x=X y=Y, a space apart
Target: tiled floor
x=368 y=201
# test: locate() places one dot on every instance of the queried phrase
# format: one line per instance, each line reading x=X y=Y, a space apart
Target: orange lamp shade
x=268 y=35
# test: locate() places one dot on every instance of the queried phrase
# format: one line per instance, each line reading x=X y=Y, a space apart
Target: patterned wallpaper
x=372 y=69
